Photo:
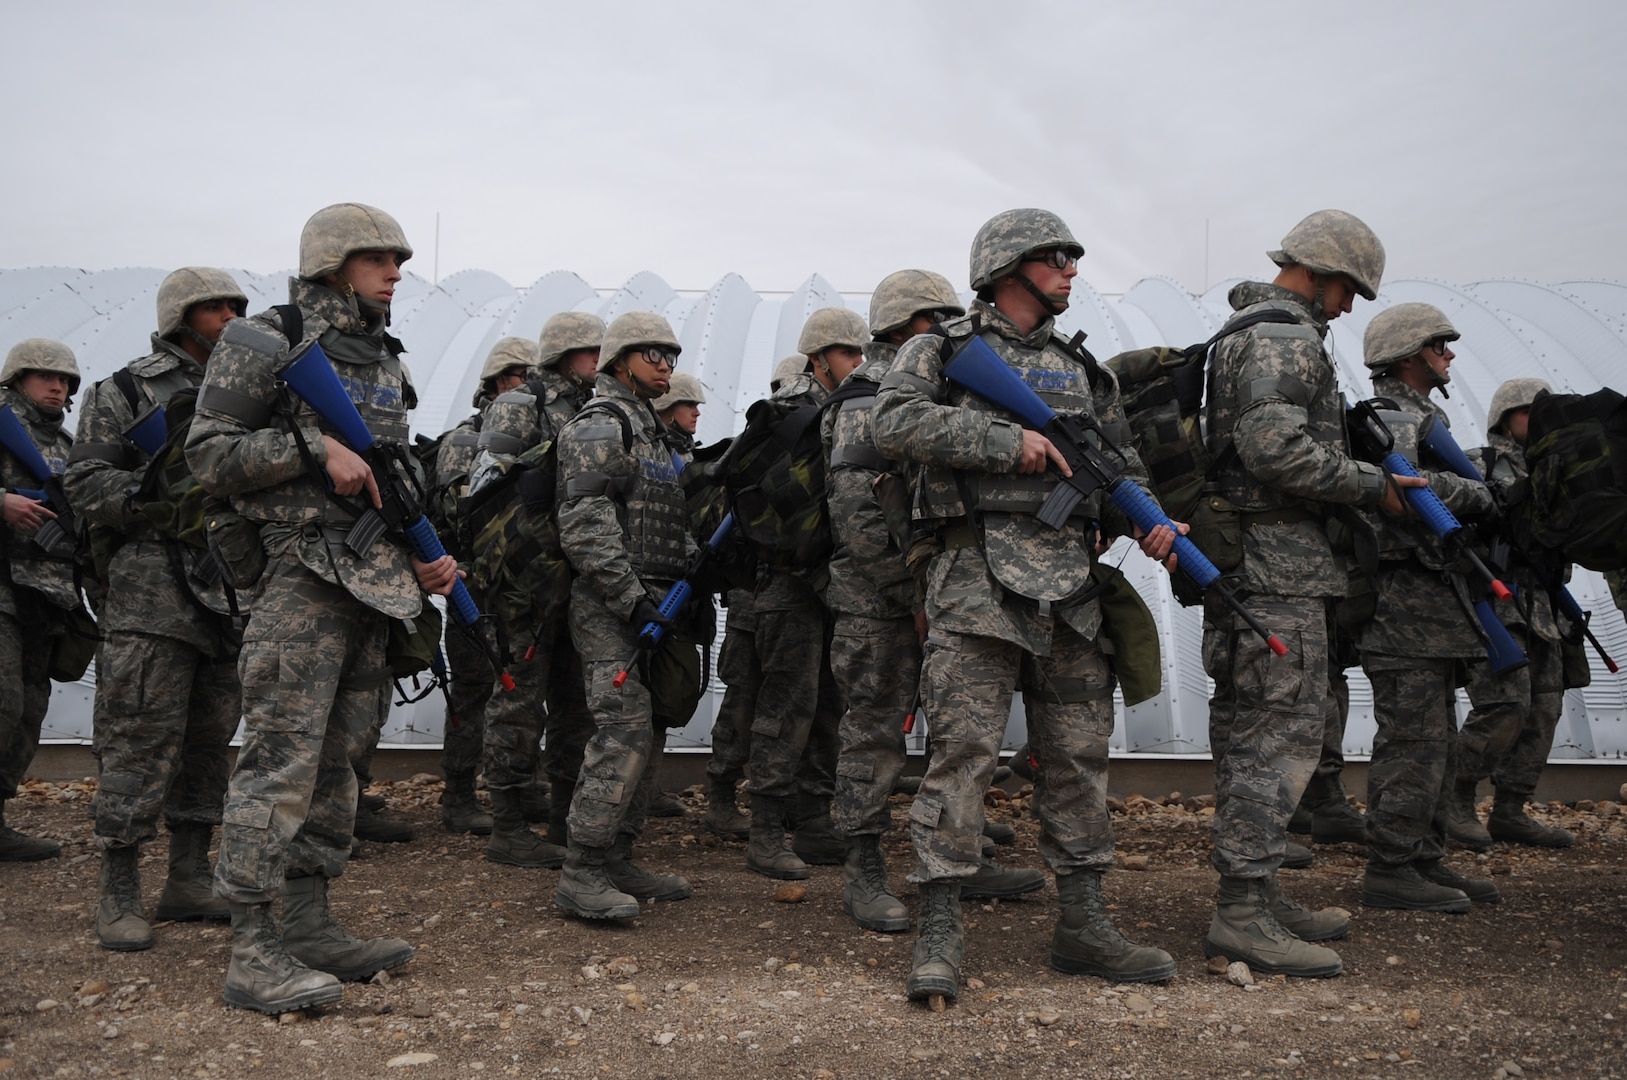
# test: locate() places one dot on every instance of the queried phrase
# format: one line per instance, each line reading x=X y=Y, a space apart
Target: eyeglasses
x=1436 y=346
x=658 y=356
x=936 y=317
x=1055 y=258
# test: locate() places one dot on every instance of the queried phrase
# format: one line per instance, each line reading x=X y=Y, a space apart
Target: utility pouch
x=412 y=644
x=1216 y=527
x=1577 y=673
x=234 y=541
x=74 y=649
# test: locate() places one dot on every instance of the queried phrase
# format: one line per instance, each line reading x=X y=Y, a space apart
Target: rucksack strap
x=1190 y=381
x=293 y=322
x=126 y=383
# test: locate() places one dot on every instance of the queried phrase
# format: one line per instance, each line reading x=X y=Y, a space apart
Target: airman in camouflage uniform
x=1421 y=635
x=1008 y=602
x=793 y=736
x=1273 y=396
x=510 y=362
x=623 y=523
x=548 y=698
x=1510 y=728
x=313 y=662
x=37 y=589
x=167 y=693
x=741 y=670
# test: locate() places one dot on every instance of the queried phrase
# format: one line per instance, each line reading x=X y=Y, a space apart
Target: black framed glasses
x=940 y=316
x=660 y=355
x=1437 y=345
x=1055 y=258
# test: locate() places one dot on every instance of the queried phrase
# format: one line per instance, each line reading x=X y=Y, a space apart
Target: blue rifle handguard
x=677 y=598
x=15 y=438
x=149 y=430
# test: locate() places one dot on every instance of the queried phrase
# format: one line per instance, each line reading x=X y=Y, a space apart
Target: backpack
x=774 y=479
x=1576 y=451
x=1161 y=390
x=510 y=527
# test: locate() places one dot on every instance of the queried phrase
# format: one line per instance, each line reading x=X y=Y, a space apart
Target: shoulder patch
x=1300 y=331
x=155 y=364
x=246 y=333
x=518 y=396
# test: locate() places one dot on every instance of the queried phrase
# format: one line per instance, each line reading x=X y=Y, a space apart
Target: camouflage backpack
x=774 y=477
x=1161 y=390
x=1577 y=455
x=510 y=527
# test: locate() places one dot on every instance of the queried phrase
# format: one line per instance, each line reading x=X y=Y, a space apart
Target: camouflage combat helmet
x=337 y=232
x=1401 y=331
x=190 y=285
x=1006 y=237
x=40 y=354
x=635 y=328
x=904 y=294
x=568 y=331
x=1514 y=394
x=786 y=370
x=509 y=352
x=683 y=388
x=1334 y=242
x=832 y=326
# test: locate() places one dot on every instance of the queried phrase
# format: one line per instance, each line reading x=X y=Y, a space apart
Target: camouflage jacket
x=455 y=460
x=867 y=572
x=29 y=566
x=1274 y=397
x=247 y=436
x=517 y=421
x=1502 y=463
x=152 y=587
x=1424 y=606
x=780 y=589
x=623 y=522
x=1001 y=572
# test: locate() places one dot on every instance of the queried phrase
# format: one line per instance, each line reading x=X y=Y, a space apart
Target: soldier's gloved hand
x=647 y=612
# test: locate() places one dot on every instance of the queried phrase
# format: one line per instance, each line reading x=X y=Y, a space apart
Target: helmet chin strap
x=208 y=346
x=1318 y=312
x=1055 y=305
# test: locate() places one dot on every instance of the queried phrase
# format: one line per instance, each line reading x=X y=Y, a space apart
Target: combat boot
x=20 y=847
x=1478 y=890
x=1510 y=823
x=993 y=880
x=1300 y=921
x=638 y=882
x=366 y=801
x=1462 y=823
x=1000 y=833
x=121 y=925
x=1085 y=941
x=865 y=894
x=559 y=821
x=766 y=852
x=585 y=889
x=1297 y=856
x=1403 y=888
x=512 y=842
x=1022 y=763
x=816 y=843
x=941 y=945
x=460 y=810
x=312 y=937
x=1300 y=823
x=665 y=804
x=1244 y=929
x=374 y=826
x=536 y=801
x=723 y=817
x=1338 y=823
x=189 y=891
x=262 y=976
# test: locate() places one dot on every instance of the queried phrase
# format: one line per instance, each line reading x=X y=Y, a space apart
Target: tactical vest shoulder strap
x=126 y=383
x=606 y=405
x=1234 y=325
x=1074 y=347
x=293 y=322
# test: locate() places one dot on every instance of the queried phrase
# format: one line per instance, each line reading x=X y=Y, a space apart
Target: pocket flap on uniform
x=249 y=814
x=925 y=811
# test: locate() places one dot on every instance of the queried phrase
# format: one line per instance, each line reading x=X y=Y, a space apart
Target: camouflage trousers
x=877 y=665
x=1510 y=729
x=472 y=682
x=548 y=700
x=742 y=674
x=1268 y=718
x=967 y=683
x=1326 y=785
x=165 y=714
x=1408 y=779
x=618 y=766
x=312 y=668
x=793 y=735
x=25 y=693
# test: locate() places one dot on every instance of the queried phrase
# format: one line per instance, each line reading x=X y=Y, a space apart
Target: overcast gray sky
x=1478 y=139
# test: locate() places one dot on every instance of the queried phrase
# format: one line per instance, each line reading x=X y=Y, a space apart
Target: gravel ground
x=736 y=983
